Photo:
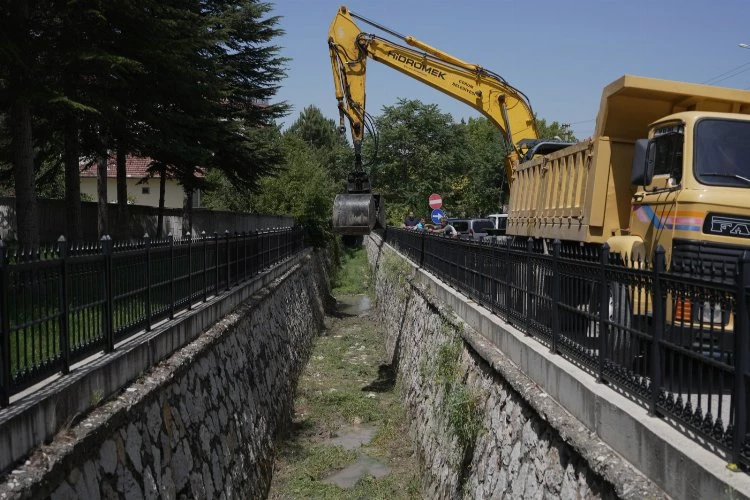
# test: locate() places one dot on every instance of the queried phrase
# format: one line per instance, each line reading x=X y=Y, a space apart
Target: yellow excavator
x=360 y=210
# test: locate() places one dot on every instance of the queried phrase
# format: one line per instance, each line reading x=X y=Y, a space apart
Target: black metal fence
x=63 y=303
x=676 y=340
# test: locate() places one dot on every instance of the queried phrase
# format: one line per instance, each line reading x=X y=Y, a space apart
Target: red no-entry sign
x=435 y=201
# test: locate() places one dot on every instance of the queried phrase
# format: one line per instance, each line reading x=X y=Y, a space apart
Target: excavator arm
x=487 y=92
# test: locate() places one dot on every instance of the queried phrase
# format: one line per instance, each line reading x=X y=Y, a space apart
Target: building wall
x=173 y=193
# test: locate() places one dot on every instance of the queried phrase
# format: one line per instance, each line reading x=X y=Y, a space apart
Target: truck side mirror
x=642 y=170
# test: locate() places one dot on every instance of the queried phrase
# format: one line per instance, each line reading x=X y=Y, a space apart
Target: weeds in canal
x=345 y=390
x=461 y=405
x=396 y=273
x=462 y=409
x=353 y=276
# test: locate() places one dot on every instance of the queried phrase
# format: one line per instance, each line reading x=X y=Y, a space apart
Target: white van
x=500 y=222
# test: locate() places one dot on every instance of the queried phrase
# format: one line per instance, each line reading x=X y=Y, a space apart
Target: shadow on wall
x=141 y=220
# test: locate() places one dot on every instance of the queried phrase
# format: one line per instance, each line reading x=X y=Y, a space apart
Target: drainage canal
x=349 y=435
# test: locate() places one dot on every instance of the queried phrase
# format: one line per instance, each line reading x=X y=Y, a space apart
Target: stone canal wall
x=481 y=427
x=201 y=424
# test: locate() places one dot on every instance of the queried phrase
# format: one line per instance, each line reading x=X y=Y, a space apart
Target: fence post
x=205 y=266
x=254 y=252
x=556 y=244
x=244 y=255
x=147 y=240
x=494 y=260
x=4 y=328
x=108 y=319
x=265 y=246
x=170 y=237
x=277 y=239
x=423 y=236
x=603 y=310
x=228 y=253
x=741 y=345
x=659 y=323
x=216 y=263
x=190 y=270
x=528 y=286
x=236 y=257
x=63 y=305
x=508 y=287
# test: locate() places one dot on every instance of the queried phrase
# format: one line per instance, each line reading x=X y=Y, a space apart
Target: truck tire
x=623 y=347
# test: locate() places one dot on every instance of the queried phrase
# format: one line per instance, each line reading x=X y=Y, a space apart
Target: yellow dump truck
x=669 y=164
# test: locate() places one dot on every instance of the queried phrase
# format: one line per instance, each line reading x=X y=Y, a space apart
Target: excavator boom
x=487 y=92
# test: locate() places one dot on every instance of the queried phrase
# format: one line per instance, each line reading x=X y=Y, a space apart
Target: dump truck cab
x=692 y=179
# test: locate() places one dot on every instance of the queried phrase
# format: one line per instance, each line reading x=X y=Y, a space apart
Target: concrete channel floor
x=349 y=435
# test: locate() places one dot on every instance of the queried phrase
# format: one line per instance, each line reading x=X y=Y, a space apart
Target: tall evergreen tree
x=323 y=135
x=19 y=48
x=187 y=83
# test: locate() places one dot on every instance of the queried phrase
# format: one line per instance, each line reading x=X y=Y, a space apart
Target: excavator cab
x=532 y=147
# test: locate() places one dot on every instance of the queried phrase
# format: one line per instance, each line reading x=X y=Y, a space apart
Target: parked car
x=478 y=228
x=496 y=234
x=460 y=225
x=471 y=229
x=500 y=222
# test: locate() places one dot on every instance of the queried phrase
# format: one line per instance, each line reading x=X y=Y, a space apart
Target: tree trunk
x=101 y=189
x=162 y=193
x=122 y=193
x=187 y=213
x=72 y=180
x=27 y=211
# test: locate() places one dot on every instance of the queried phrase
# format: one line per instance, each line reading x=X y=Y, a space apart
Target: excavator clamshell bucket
x=354 y=214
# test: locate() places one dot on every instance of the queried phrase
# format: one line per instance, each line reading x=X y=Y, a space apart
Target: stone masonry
x=518 y=453
x=201 y=424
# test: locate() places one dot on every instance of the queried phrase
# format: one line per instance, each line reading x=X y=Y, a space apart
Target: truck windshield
x=722 y=152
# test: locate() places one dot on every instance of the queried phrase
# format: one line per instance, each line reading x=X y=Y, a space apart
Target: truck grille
x=710 y=260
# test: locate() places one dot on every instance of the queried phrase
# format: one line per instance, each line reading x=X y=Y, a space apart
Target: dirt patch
x=352 y=437
x=351 y=474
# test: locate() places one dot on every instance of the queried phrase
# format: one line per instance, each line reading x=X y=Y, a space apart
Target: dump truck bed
x=583 y=192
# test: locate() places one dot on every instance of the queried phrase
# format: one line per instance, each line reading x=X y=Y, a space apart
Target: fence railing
x=676 y=340
x=65 y=302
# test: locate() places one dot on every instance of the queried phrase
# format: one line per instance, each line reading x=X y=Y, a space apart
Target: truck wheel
x=624 y=348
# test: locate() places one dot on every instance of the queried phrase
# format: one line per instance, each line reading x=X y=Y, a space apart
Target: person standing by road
x=410 y=221
x=445 y=228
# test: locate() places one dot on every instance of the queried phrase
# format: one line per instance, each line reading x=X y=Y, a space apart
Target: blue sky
x=560 y=54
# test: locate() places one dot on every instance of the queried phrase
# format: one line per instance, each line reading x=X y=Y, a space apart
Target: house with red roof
x=143 y=187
